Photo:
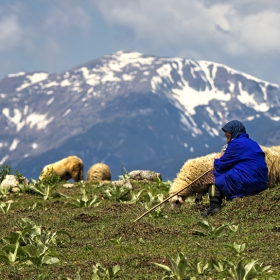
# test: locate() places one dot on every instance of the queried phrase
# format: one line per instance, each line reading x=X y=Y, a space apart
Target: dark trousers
x=215 y=195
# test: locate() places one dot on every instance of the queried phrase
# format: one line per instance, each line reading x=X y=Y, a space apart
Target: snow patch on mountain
x=249 y=100
x=276 y=119
x=51 y=84
x=121 y=59
x=90 y=77
x=4 y=159
x=34 y=145
x=32 y=79
x=15 y=119
x=16 y=75
x=50 y=101
x=65 y=83
x=39 y=120
x=66 y=112
x=33 y=119
x=191 y=98
x=14 y=144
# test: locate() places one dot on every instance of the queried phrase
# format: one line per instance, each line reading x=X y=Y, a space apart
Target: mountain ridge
x=128 y=109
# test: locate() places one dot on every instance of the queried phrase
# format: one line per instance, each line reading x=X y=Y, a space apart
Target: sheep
x=66 y=168
x=272 y=158
x=276 y=148
x=99 y=172
x=193 y=168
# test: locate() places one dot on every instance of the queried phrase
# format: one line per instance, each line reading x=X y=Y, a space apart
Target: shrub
x=4 y=170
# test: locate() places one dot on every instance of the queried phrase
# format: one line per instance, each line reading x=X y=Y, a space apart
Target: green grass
x=107 y=234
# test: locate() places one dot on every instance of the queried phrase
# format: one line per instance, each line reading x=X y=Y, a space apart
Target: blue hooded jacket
x=242 y=169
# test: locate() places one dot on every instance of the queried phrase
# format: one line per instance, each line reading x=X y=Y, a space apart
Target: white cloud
x=22 y=29
x=10 y=32
x=56 y=35
x=66 y=15
x=194 y=26
x=260 y=32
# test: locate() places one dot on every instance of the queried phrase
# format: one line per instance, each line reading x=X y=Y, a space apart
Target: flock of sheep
x=73 y=167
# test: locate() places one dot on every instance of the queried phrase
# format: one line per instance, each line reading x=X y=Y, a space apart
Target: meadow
x=89 y=232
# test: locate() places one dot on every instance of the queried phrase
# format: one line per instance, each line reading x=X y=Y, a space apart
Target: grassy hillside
x=105 y=238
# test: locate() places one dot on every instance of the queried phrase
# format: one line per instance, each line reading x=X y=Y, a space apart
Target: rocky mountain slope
x=132 y=111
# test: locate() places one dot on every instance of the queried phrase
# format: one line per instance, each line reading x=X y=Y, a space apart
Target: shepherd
x=240 y=171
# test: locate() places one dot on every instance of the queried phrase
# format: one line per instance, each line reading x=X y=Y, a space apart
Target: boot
x=213 y=209
x=215 y=197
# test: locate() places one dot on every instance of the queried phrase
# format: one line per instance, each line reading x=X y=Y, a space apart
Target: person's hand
x=218 y=156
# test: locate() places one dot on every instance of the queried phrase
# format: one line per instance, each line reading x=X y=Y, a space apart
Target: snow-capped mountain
x=131 y=110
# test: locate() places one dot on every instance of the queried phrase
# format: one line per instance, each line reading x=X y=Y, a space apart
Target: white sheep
x=272 y=158
x=276 y=148
x=99 y=172
x=67 y=168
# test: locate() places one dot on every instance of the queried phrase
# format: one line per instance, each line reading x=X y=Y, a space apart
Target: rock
x=10 y=182
x=122 y=183
x=68 y=186
x=144 y=175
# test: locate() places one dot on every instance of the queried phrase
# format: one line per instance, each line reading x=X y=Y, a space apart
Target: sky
x=57 y=35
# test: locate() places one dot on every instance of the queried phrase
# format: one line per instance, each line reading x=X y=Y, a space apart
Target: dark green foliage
x=20 y=178
x=51 y=178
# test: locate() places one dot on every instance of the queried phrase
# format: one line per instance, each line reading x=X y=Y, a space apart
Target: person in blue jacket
x=240 y=171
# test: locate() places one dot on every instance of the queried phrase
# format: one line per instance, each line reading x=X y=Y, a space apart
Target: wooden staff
x=150 y=210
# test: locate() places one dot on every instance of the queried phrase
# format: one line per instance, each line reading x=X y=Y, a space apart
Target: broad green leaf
x=219 y=266
x=239 y=249
x=182 y=264
x=116 y=269
x=174 y=265
x=113 y=270
x=233 y=228
x=31 y=250
x=220 y=229
x=41 y=248
x=249 y=266
x=4 y=257
x=95 y=277
x=240 y=271
x=165 y=267
x=205 y=224
x=12 y=238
